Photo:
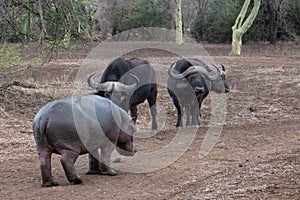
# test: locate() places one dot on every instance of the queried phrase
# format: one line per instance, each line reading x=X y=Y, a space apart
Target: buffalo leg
x=178 y=108
x=133 y=113
x=179 y=112
x=152 y=105
x=94 y=163
x=188 y=111
x=200 y=100
x=195 y=115
x=67 y=160
x=105 y=162
x=45 y=165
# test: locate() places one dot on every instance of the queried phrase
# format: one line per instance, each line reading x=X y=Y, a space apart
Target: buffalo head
x=214 y=79
x=114 y=90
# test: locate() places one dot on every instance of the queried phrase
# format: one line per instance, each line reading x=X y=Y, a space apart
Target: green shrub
x=146 y=13
x=293 y=19
x=215 y=26
x=200 y=27
x=10 y=56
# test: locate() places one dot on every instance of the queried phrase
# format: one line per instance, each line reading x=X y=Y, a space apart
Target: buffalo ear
x=223 y=68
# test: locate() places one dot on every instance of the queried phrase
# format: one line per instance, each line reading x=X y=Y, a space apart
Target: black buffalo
x=129 y=82
x=189 y=82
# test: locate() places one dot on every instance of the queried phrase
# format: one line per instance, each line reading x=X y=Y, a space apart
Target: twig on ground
x=18 y=70
x=16 y=83
x=2 y=110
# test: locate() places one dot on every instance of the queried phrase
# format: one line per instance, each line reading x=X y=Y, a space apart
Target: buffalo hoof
x=116 y=160
x=93 y=172
x=154 y=127
x=50 y=184
x=110 y=172
x=76 y=181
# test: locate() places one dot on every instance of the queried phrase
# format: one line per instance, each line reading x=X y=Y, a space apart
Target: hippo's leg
x=152 y=105
x=105 y=161
x=94 y=163
x=45 y=165
x=67 y=160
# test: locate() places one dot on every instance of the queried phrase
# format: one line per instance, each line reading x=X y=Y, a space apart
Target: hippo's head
x=125 y=145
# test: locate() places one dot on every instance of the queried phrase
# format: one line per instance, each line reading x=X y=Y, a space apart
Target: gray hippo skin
x=78 y=125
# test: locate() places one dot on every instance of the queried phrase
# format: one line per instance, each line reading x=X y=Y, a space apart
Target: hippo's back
x=75 y=121
x=89 y=108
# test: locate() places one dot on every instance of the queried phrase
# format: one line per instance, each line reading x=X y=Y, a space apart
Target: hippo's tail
x=39 y=131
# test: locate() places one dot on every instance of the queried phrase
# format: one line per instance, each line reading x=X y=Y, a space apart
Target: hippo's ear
x=130 y=120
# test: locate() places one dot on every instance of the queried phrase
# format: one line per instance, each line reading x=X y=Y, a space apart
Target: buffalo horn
x=91 y=84
x=192 y=70
x=117 y=86
x=223 y=68
x=203 y=70
x=121 y=87
x=172 y=74
x=106 y=86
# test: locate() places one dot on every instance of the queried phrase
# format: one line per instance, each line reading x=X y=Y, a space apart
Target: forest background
x=56 y=24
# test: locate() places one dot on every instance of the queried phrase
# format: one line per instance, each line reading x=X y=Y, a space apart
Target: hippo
x=79 y=125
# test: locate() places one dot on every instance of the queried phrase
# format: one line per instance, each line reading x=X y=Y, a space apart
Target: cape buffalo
x=128 y=82
x=78 y=125
x=189 y=82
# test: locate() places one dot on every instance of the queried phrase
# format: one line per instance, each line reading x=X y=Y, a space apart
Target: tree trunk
x=273 y=29
x=274 y=9
x=43 y=31
x=102 y=23
x=28 y=25
x=240 y=27
x=173 y=14
x=178 y=20
x=236 y=42
x=202 y=6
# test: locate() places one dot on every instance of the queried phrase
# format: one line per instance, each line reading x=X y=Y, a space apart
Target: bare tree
x=274 y=8
x=102 y=24
x=43 y=31
x=107 y=16
x=189 y=10
x=240 y=27
x=203 y=5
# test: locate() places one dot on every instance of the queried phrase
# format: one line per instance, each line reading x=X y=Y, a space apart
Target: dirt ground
x=257 y=155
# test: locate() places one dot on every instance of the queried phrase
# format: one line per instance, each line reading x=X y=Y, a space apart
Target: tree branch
x=251 y=16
